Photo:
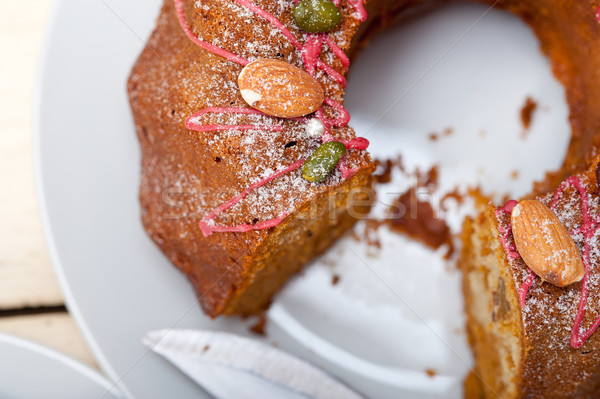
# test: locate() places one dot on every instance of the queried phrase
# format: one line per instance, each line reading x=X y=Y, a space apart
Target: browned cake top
x=222 y=35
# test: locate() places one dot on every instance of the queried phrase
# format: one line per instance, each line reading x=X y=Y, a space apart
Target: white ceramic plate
x=395 y=313
x=33 y=371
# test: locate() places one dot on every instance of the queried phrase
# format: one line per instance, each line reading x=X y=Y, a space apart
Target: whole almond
x=545 y=244
x=280 y=89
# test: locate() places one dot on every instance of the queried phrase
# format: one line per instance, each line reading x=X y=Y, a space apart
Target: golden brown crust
x=493 y=323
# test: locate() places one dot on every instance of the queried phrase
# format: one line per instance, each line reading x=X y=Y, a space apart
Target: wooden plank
x=26 y=276
x=57 y=331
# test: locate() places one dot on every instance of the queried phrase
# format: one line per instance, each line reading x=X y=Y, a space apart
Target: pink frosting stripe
x=507 y=208
x=588 y=230
x=333 y=74
x=312 y=48
x=357 y=143
x=210 y=128
x=274 y=21
x=359 y=8
x=505 y=233
x=345 y=170
x=207 y=229
x=337 y=51
x=192 y=122
x=598 y=14
x=207 y=46
x=224 y=110
x=206 y=224
x=524 y=288
x=310 y=53
x=310 y=56
x=344 y=117
x=511 y=251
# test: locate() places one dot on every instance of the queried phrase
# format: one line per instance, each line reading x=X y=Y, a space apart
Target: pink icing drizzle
x=337 y=51
x=511 y=250
x=345 y=170
x=357 y=143
x=310 y=54
x=505 y=233
x=192 y=123
x=208 y=227
x=358 y=7
x=598 y=14
x=203 y=44
x=313 y=41
x=524 y=288
x=588 y=229
x=274 y=21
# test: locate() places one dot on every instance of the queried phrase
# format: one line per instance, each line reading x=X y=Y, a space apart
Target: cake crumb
x=417 y=219
x=259 y=327
x=385 y=174
x=455 y=195
x=370 y=235
x=527 y=114
x=514 y=174
x=335 y=279
x=433 y=136
x=429 y=179
x=430 y=372
x=410 y=215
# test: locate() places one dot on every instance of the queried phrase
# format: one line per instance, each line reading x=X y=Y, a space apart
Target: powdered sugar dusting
x=226 y=44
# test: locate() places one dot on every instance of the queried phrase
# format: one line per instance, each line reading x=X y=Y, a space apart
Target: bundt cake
x=250 y=170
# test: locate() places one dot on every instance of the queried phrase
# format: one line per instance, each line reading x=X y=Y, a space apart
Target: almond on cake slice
x=280 y=89
x=545 y=244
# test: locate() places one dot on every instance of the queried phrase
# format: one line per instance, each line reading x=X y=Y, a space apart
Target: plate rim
x=80 y=368
x=40 y=193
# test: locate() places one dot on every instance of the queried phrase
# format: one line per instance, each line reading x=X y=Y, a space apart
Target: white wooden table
x=31 y=304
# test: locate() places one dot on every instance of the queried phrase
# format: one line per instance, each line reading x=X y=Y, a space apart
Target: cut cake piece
x=532 y=339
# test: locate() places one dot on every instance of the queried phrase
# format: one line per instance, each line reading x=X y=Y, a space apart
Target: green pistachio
x=320 y=164
x=316 y=16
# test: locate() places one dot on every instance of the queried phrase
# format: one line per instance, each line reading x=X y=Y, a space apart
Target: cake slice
x=533 y=339
x=221 y=192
